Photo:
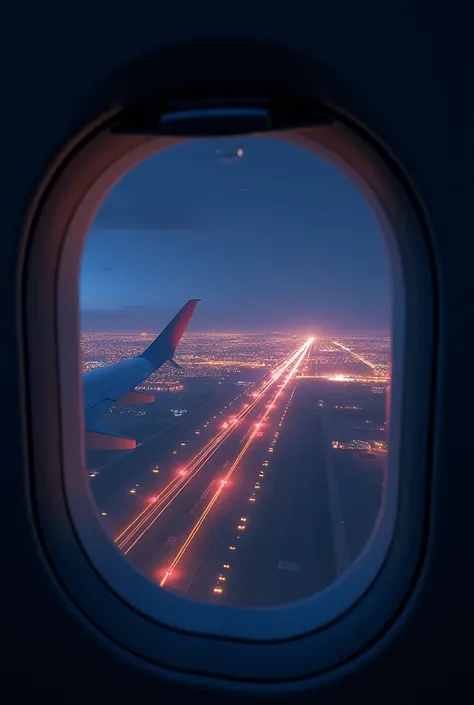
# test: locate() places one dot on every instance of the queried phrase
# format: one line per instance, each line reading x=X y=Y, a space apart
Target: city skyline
x=193 y=329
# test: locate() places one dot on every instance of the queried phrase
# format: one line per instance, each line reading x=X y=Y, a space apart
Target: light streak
x=130 y=536
x=356 y=355
x=189 y=539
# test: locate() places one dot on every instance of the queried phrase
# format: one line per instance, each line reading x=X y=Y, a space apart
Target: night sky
x=275 y=240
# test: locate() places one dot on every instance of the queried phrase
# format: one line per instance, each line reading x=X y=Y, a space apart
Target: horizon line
x=349 y=334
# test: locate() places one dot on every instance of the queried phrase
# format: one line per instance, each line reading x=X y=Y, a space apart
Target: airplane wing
x=115 y=384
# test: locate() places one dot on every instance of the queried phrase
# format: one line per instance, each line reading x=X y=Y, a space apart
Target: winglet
x=164 y=346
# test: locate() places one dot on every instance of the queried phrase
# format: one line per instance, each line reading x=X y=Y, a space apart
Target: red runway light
x=163 y=575
x=193 y=468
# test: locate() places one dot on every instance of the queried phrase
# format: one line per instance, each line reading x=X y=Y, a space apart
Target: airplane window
x=236 y=359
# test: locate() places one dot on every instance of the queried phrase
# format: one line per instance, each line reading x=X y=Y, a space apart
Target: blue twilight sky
x=275 y=239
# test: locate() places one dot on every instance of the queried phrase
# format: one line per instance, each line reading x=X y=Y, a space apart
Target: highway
x=253 y=511
x=292 y=522
x=286 y=551
x=166 y=539
x=124 y=486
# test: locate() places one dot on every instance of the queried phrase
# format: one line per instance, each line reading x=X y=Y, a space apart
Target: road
x=286 y=551
x=123 y=487
x=167 y=539
x=256 y=514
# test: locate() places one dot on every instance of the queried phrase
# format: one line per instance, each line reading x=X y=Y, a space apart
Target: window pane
x=248 y=469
